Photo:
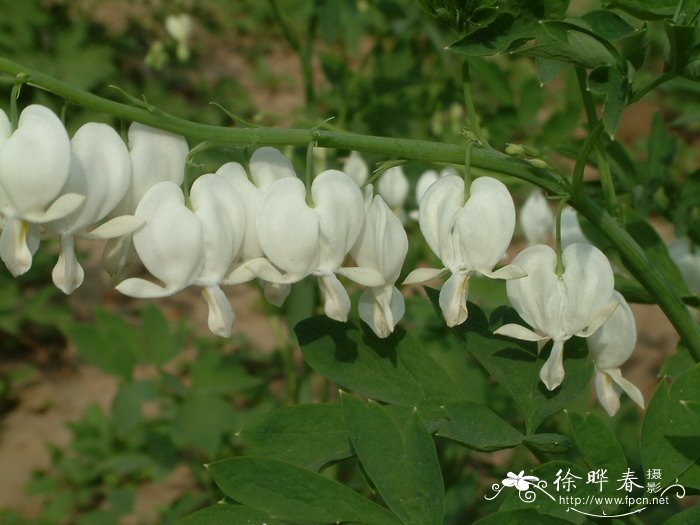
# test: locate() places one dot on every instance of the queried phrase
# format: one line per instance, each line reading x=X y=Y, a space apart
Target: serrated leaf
x=477 y=427
x=395 y=369
x=292 y=493
x=399 y=457
x=516 y=364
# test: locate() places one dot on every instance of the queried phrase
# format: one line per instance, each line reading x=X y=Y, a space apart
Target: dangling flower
x=426 y=180
x=267 y=165
x=468 y=237
x=179 y=27
x=183 y=247
x=156 y=156
x=34 y=164
x=381 y=246
x=100 y=170
x=356 y=168
x=536 y=218
x=559 y=307
x=571 y=231
x=688 y=261
x=393 y=187
x=611 y=345
x=301 y=240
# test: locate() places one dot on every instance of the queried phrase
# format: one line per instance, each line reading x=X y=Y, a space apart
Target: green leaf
x=547 y=69
x=635 y=47
x=292 y=493
x=555 y=9
x=645 y=9
x=615 y=86
x=308 y=435
x=520 y=517
x=681 y=41
x=396 y=369
x=215 y=372
x=597 y=443
x=399 y=457
x=160 y=343
x=689 y=516
x=127 y=404
x=549 y=443
x=671 y=428
x=477 y=427
x=223 y=514
x=608 y=24
x=516 y=364
x=677 y=363
x=504 y=33
x=202 y=421
x=654 y=248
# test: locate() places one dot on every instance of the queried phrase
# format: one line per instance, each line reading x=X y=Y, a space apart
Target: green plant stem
x=606 y=182
x=469 y=105
x=559 y=269
x=486 y=159
x=653 y=84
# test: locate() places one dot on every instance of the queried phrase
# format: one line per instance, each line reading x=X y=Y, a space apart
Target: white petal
x=536 y=218
x=263 y=269
x=356 y=168
x=613 y=343
x=34 y=161
x=220 y=212
x=507 y=272
x=170 y=244
x=67 y=274
x=288 y=229
x=336 y=300
x=61 y=207
x=339 y=204
x=381 y=309
x=221 y=316
x=101 y=170
x=598 y=318
x=608 y=396
x=363 y=276
x=393 y=187
x=420 y=275
x=484 y=226
x=570 y=229
x=116 y=227
x=275 y=293
x=453 y=299
x=631 y=390
x=5 y=127
x=438 y=209
x=143 y=289
x=240 y=274
x=517 y=331
x=688 y=262
x=118 y=255
x=267 y=165
x=552 y=372
x=426 y=180
x=14 y=250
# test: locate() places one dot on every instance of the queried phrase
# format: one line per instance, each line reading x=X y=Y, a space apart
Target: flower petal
x=552 y=372
x=116 y=227
x=536 y=218
x=363 y=276
x=453 y=299
x=437 y=214
x=288 y=230
x=420 y=275
x=14 y=250
x=336 y=299
x=67 y=274
x=268 y=165
x=61 y=207
x=393 y=186
x=275 y=293
x=356 y=168
x=517 y=331
x=507 y=272
x=143 y=289
x=221 y=317
x=613 y=343
x=630 y=389
x=381 y=309
x=608 y=396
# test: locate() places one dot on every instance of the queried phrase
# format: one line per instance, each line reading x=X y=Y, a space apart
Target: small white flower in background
x=179 y=27
x=426 y=180
x=356 y=167
x=34 y=164
x=559 y=307
x=688 y=262
x=301 y=240
x=382 y=246
x=611 y=345
x=183 y=247
x=100 y=170
x=393 y=186
x=266 y=165
x=536 y=218
x=571 y=231
x=468 y=237
x=156 y=156
x=320 y=156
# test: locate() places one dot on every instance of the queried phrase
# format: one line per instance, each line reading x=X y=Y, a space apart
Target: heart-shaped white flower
x=536 y=218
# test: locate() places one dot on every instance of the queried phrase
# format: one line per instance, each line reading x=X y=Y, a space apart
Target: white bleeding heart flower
x=536 y=218
x=34 y=164
x=571 y=231
x=611 y=345
x=156 y=156
x=393 y=186
x=183 y=247
x=382 y=246
x=688 y=261
x=267 y=165
x=559 y=307
x=426 y=180
x=101 y=170
x=302 y=240
x=468 y=237
x=356 y=167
